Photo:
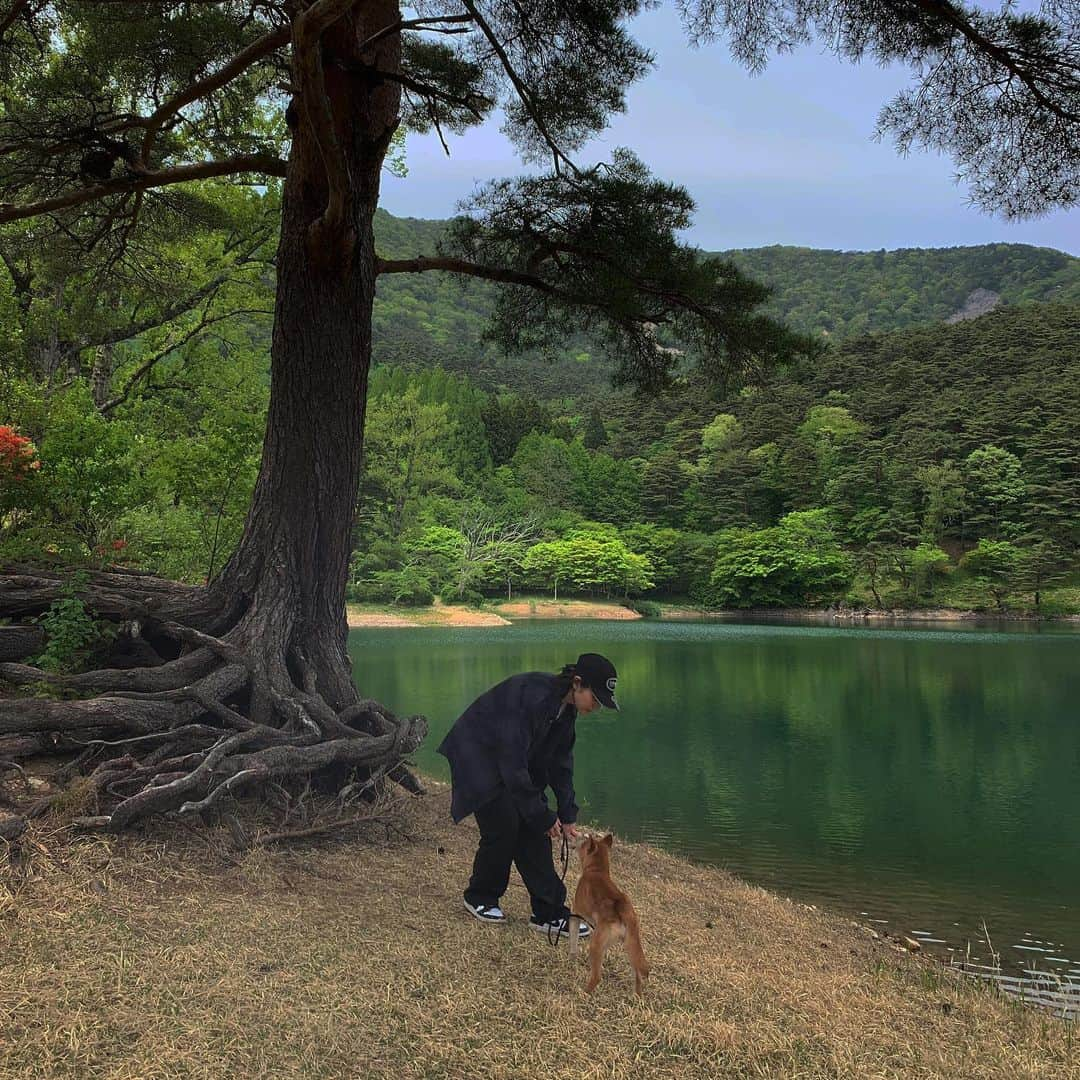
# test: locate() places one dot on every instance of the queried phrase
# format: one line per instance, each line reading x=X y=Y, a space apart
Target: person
x=507 y=747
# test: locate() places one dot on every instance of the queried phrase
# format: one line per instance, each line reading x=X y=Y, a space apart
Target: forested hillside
x=425 y=319
x=930 y=465
x=852 y=292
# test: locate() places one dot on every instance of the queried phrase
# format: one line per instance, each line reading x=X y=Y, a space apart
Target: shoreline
x=504 y=613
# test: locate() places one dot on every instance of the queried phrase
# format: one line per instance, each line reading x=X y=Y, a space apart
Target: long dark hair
x=566 y=679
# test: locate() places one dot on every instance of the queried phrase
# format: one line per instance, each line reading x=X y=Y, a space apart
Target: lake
x=923 y=780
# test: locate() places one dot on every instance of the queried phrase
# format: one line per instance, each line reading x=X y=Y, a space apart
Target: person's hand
x=570 y=832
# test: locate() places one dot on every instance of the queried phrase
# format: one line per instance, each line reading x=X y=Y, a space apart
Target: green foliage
x=590 y=562
x=595 y=435
x=427 y=319
x=720 y=433
x=919 y=444
x=846 y=293
x=927 y=563
x=995 y=481
x=648 y=609
x=68 y=626
x=796 y=562
x=945 y=498
x=437 y=553
x=407 y=586
x=995 y=564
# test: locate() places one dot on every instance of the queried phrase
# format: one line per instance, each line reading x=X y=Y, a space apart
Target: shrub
x=69 y=628
x=649 y=609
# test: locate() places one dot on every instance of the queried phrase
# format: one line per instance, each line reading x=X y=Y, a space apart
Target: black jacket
x=518 y=736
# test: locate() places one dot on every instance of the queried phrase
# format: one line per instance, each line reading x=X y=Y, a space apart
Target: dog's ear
x=607 y=840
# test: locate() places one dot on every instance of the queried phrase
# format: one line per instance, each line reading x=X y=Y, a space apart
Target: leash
x=564 y=858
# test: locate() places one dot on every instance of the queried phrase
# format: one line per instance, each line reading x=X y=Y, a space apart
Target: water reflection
x=926 y=777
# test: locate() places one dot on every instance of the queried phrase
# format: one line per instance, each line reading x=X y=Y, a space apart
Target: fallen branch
x=321 y=829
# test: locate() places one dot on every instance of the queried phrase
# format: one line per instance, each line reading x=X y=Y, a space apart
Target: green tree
x=407 y=456
x=945 y=498
x=1041 y=563
x=928 y=562
x=662 y=488
x=548 y=563
x=595 y=435
x=552 y=471
x=720 y=433
x=438 y=553
x=996 y=564
x=796 y=562
x=996 y=485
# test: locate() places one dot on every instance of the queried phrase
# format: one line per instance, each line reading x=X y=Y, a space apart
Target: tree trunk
x=286 y=580
x=101 y=374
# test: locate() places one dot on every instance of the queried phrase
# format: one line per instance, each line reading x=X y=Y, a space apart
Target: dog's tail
x=634 y=952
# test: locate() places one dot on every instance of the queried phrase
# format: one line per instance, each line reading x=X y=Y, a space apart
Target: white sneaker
x=559 y=928
x=485 y=913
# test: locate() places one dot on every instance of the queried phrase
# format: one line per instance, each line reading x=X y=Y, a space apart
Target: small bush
x=69 y=628
x=648 y=609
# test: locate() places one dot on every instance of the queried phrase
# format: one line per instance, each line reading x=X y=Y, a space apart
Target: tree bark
x=18 y=642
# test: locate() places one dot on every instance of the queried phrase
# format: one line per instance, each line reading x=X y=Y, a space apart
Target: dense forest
x=932 y=464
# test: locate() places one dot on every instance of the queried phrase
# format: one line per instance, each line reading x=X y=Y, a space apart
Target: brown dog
x=607 y=909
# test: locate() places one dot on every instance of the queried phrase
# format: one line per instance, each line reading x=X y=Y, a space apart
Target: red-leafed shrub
x=18 y=455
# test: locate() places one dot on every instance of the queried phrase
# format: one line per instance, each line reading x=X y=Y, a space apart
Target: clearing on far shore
x=495 y=614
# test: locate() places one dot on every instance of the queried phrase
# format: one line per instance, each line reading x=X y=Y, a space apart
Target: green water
x=926 y=779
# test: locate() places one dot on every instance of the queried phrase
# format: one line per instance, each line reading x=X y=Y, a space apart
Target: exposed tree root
x=219 y=709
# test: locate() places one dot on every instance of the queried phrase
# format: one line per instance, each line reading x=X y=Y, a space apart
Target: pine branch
x=244 y=59
x=523 y=92
x=957 y=19
x=147 y=366
x=431 y=24
x=174 y=311
x=448 y=264
x=265 y=164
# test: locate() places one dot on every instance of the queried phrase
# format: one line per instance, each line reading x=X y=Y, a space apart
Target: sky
x=784 y=157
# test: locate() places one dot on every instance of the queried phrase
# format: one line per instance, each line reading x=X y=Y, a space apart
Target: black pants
x=506 y=839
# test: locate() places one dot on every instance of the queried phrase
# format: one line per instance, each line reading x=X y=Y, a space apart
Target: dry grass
x=167 y=957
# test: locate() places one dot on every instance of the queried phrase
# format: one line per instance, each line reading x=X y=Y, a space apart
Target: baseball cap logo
x=611 y=685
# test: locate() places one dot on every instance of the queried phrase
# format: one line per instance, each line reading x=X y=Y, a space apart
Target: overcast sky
x=786 y=157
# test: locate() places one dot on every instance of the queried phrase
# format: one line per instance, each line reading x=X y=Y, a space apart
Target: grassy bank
x=169 y=956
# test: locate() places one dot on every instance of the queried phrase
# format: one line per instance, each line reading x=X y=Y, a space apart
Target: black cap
x=598 y=674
